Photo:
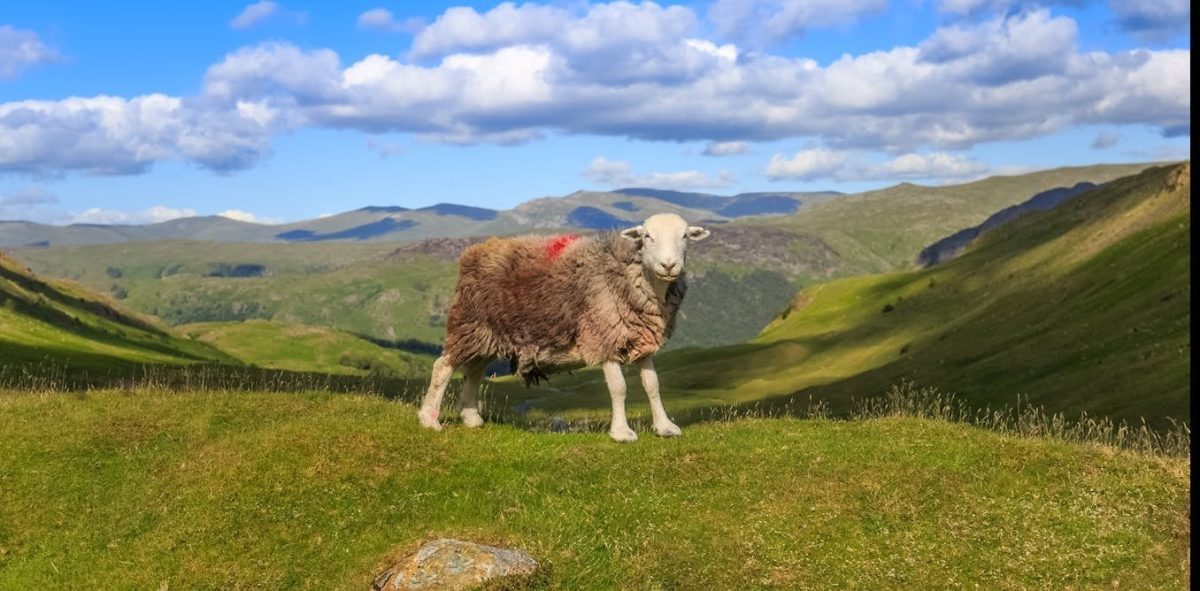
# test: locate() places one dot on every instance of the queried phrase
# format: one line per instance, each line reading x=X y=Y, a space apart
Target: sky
x=273 y=111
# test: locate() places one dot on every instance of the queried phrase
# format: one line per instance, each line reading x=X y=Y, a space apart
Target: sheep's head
x=663 y=240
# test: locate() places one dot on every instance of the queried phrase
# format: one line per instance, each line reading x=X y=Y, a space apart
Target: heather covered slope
x=316 y=491
x=1082 y=308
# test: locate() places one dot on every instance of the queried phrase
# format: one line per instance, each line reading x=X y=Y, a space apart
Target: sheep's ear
x=697 y=233
x=634 y=233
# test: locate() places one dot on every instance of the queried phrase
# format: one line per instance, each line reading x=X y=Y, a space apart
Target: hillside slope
x=1082 y=308
x=882 y=231
x=293 y=347
x=317 y=491
x=954 y=244
x=62 y=324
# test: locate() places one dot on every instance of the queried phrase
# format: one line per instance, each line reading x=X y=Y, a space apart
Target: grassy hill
x=385 y=292
x=313 y=491
x=348 y=286
x=882 y=231
x=294 y=347
x=741 y=277
x=1083 y=308
x=63 y=324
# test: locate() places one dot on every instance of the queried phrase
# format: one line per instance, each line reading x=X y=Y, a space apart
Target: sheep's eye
x=648 y=237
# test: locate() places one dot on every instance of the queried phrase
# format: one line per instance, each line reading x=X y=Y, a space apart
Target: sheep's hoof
x=668 y=429
x=622 y=434
x=471 y=419
x=428 y=421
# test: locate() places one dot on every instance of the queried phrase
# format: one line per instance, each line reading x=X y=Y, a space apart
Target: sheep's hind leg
x=620 y=430
x=469 y=400
x=428 y=415
x=662 y=424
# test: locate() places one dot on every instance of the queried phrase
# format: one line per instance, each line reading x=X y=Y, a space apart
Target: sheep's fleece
x=556 y=303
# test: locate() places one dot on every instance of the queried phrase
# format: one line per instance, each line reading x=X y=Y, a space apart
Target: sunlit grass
x=143 y=488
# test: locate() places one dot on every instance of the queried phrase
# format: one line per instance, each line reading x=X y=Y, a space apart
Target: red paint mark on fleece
x=557 y=244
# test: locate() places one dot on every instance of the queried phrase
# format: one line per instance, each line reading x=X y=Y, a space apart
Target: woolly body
x=549 y=304
x=555 y=303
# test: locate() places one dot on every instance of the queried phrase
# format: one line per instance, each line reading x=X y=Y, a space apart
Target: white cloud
x=382 y=19
x=246 y=216
x=764 y=21
x=624 y=70
x=112 y=135
x=726 y=148
x=618 y=173
x=812 y=164
x=262 y=11
x=254 y=14
x=20 y=50
x=822 y=163
x=937 y=166
x=1105 y=140
x=158 y=213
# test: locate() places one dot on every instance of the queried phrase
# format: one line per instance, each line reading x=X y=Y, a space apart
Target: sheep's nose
x=669 y=268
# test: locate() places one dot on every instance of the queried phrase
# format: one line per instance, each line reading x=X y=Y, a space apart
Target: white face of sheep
x=663 y=239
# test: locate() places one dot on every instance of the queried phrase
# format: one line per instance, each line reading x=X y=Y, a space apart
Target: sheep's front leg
x=432 y=405
x=662 y=424
x=620 y=430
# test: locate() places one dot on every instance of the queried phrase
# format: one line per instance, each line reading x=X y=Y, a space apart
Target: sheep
x=558 y=303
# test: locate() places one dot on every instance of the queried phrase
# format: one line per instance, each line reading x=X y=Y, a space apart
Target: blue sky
x=133 y=112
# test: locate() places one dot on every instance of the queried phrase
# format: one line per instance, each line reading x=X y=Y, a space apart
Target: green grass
x=59 y=322
x=357 y=288
x=1084 y=308
x=352 y=287
x=305 y=348
x=882 y=231
x=144 y=489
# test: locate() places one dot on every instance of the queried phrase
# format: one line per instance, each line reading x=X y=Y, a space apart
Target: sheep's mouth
x=667 y=278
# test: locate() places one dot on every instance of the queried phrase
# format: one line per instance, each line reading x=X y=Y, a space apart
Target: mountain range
x=397 y=291
x=589 y=210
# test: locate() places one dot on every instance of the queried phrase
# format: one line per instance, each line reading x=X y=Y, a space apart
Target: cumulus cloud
x=514 y=73
x=822 y=163
x=937 y=166
x=382 y=19
x=246 y=216
x=112 y=135
x=759 y=22
x=812 y=164
x=618 y=173
x=1105 y=140
x=726 y=148
x=21 y=50
x=602 y=31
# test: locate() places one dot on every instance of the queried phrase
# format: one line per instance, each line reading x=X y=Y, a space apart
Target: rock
x=455 y=564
